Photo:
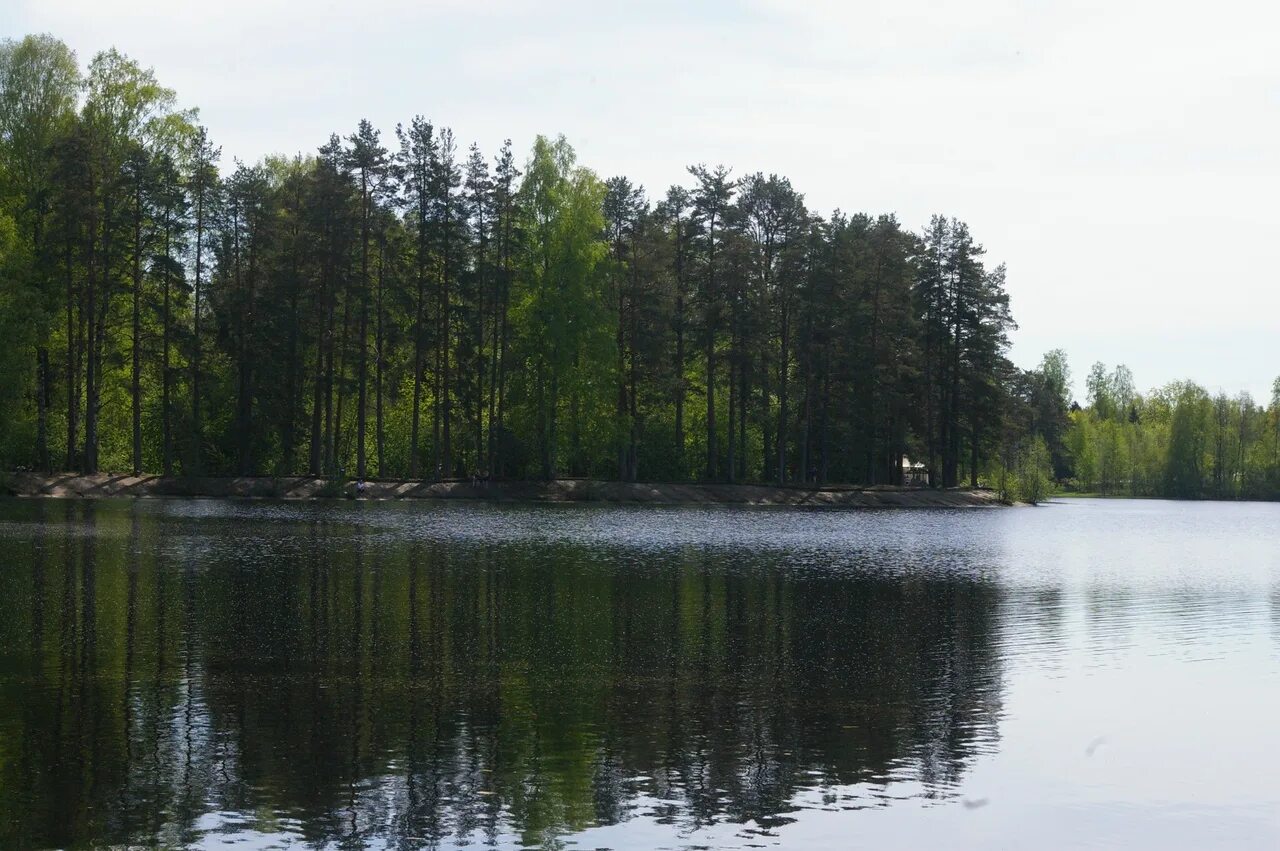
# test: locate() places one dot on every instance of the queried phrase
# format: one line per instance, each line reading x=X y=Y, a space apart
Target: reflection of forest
x=354 y=689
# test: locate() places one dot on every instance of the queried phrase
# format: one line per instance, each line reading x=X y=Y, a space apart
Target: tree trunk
x=874 y=451
x=415 y=415
x=552 y=420
x=680 y=354
x=362 y=363
x=929 y=415
x=73 y=359
x=679 y=384
x=437 y=397
x=292 y=391
x=744 y=406
x=446 y=412
x=544 y=420
x=826 y=407
x=166 y=424
x=784 y=354
x=197 y=434
x=495 y=347
x=330 y=375
x=711 y=409
x=322 y=394
x=479 y=365
x=315 y=455
x=806 y=388
x=338 y=376
x=575 y=426
x=379 y=356
x=730 y=464
x=42 y=410
x=242 y=360
x=973 y=458
x=502 y=368
x=633 y=451
x=620 y=343
x=950 y=472
x=92 y=349
x=136 y=384
x=769 y=459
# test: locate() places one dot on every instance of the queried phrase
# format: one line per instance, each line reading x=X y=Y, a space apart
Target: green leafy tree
x=1184 y=464
x=1035 y=473
x=39 y=81
x=562 y=312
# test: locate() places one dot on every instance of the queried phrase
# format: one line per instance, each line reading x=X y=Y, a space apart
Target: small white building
x=914 y=473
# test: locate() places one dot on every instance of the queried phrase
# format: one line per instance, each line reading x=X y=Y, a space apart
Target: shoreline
x=106 y=485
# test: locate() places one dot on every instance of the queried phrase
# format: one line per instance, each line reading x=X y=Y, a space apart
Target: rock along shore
x=71 y=485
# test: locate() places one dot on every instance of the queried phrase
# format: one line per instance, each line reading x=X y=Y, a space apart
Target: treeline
x=1178 y=441
x=400 y=306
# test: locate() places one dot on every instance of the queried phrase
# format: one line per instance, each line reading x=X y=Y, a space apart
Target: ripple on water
x=280 y=674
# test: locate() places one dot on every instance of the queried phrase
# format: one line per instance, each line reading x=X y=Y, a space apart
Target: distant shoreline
x=73 y=485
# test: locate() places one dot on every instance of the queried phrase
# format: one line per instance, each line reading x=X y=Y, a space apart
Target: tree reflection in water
x=162 y=676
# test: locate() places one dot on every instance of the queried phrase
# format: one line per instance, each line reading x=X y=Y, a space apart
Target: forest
x=1178 y=441
x=402 y=305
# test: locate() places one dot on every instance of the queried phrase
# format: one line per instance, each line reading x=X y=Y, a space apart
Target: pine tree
x=623 y=209
x=479 y=294
x=367 y=159
x=204 y=189
x=448 y=243
x=506 y=235
x=711 y=199
x=417 y=154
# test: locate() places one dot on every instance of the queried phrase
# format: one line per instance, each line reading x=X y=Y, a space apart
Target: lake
x=1092 y=673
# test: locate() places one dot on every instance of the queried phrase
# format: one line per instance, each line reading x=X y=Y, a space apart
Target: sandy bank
x=561 y=490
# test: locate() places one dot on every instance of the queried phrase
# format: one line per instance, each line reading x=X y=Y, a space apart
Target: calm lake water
x=349 y=675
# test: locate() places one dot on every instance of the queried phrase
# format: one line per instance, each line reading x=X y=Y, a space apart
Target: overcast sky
x=1123 y=158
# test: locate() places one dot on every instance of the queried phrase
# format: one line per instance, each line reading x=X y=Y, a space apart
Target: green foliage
x=1177 y=442
x=1057 y=376
x=409 y=313
x=966 y=322
x=568 y=350
x=333 y=488
x=19 y=318
x=1035 y=473
x=1025 y=474
x=1184 y=475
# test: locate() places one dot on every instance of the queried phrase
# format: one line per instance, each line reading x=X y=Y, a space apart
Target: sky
x=1122 y=158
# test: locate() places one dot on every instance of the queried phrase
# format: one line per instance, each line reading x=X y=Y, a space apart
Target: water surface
x=346 y=675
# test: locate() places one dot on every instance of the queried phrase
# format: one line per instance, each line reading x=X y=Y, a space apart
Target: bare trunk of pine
x=416 y=413
x=42 y=410
x=136 y=383
x=379 y=357
x=73 y=359
x=197 y=434
x=362 y=362
x=166 y=424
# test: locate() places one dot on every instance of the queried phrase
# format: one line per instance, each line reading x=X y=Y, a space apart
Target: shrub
x=1035 y=473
